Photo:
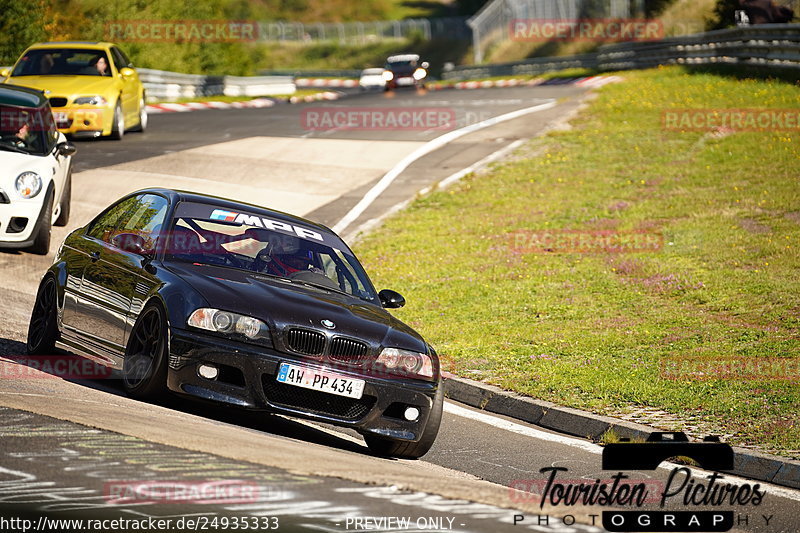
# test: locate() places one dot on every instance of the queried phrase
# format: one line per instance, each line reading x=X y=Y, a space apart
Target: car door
x=79 y=253
x=113 y=278
x=130 y=86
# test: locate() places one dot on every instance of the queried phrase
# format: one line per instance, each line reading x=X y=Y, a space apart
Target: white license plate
x=320 y=380
x=405 y=81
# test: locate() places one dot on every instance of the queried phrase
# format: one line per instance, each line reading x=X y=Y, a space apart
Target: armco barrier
x=163 y=85
x=769 y=45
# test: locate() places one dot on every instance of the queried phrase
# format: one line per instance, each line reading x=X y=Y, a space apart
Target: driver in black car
x=283 y=261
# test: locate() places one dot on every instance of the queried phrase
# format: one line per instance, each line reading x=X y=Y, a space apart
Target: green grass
x=591 y=330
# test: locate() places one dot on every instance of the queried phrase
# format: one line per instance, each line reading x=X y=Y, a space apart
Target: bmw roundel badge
x=328 y=324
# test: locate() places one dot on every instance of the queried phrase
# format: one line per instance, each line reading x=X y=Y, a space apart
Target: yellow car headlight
x=90 y=100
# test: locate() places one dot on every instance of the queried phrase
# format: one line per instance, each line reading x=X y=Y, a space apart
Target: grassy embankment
x=592 y=330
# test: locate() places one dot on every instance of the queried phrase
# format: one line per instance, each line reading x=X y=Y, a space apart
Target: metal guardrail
x=319 y=73
x=770 y=45
x=163 y=85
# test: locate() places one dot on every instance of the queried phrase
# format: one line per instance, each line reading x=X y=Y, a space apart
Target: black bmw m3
x=240 y=305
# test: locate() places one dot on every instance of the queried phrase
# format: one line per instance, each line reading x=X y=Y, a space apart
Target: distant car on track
x=35 y=171
x=372 y=78
x=240 y=305
x=405 y=70
x=92 y=86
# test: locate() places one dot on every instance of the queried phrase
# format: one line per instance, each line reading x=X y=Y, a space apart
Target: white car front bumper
x=15 y=230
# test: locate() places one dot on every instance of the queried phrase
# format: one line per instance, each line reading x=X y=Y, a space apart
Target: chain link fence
x=491 y=24
x=452 y=28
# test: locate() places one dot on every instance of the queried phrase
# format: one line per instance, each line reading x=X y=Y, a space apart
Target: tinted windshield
x=63 y=61
x=203 y=234
x=28 y=130
x=401 y=65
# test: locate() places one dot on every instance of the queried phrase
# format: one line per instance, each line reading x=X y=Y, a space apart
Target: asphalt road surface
x=75 y=449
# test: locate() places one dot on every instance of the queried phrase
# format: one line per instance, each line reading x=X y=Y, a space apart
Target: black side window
x=120 y=59
x=146 y=218
x=104 y=227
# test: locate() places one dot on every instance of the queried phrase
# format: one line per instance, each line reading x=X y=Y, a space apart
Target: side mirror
x=5 y=72
x=425 y=65
x=391 y=299
x=130 y=242
x=127 y=72
x=66 y=148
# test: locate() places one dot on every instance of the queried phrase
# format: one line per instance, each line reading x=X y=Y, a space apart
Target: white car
x=35 y=170
x=372 y=78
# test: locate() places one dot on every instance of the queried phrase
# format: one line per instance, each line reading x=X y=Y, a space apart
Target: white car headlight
x=387 y=75
x=228 y=323
x=91 y=100
x=28 y=184
x=419 y=74
x=406 y=362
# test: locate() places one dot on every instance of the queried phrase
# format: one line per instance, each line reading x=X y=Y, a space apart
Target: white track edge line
x=501 y=423
x=425 y=149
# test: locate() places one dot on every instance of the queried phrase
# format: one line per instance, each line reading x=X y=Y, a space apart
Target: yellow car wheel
x=142 y=117
x=118 y=126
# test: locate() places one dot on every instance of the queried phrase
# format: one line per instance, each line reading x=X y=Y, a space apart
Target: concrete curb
x=747 y=463
x=169 y=107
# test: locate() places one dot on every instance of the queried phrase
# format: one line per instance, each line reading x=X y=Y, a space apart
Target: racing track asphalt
x=471 y=445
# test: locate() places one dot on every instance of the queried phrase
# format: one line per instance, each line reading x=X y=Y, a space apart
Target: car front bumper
x=84 y=121
x=18 y=220
x=247 y=378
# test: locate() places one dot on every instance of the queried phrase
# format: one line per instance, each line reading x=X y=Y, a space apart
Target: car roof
x=402 y=57
x=187 y=196
x=18 y=96
x=90 y=45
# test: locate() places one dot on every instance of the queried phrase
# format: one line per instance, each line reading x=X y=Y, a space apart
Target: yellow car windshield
x=63 y=62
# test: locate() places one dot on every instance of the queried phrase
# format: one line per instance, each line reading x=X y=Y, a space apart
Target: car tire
x=118 y=126
x=405 y=449
x=142 y=125
x=144 y=369
x=43 y=229
x=66 y=200
x=43 y=327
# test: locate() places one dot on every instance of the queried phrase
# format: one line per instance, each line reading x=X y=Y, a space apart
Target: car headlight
x=387 y=75
x=28 y=184
x=419 y=73
x=91 y=100
x=406 y=362
x=229 y=324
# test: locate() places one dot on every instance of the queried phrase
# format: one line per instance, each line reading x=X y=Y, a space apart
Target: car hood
x=12 y=164
x=66 y=86
x=282 y=303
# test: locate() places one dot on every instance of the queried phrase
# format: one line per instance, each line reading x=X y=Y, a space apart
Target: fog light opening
x=411 y=414
x=208 y=371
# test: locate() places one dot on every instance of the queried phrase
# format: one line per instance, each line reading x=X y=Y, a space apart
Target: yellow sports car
x=92 y=87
